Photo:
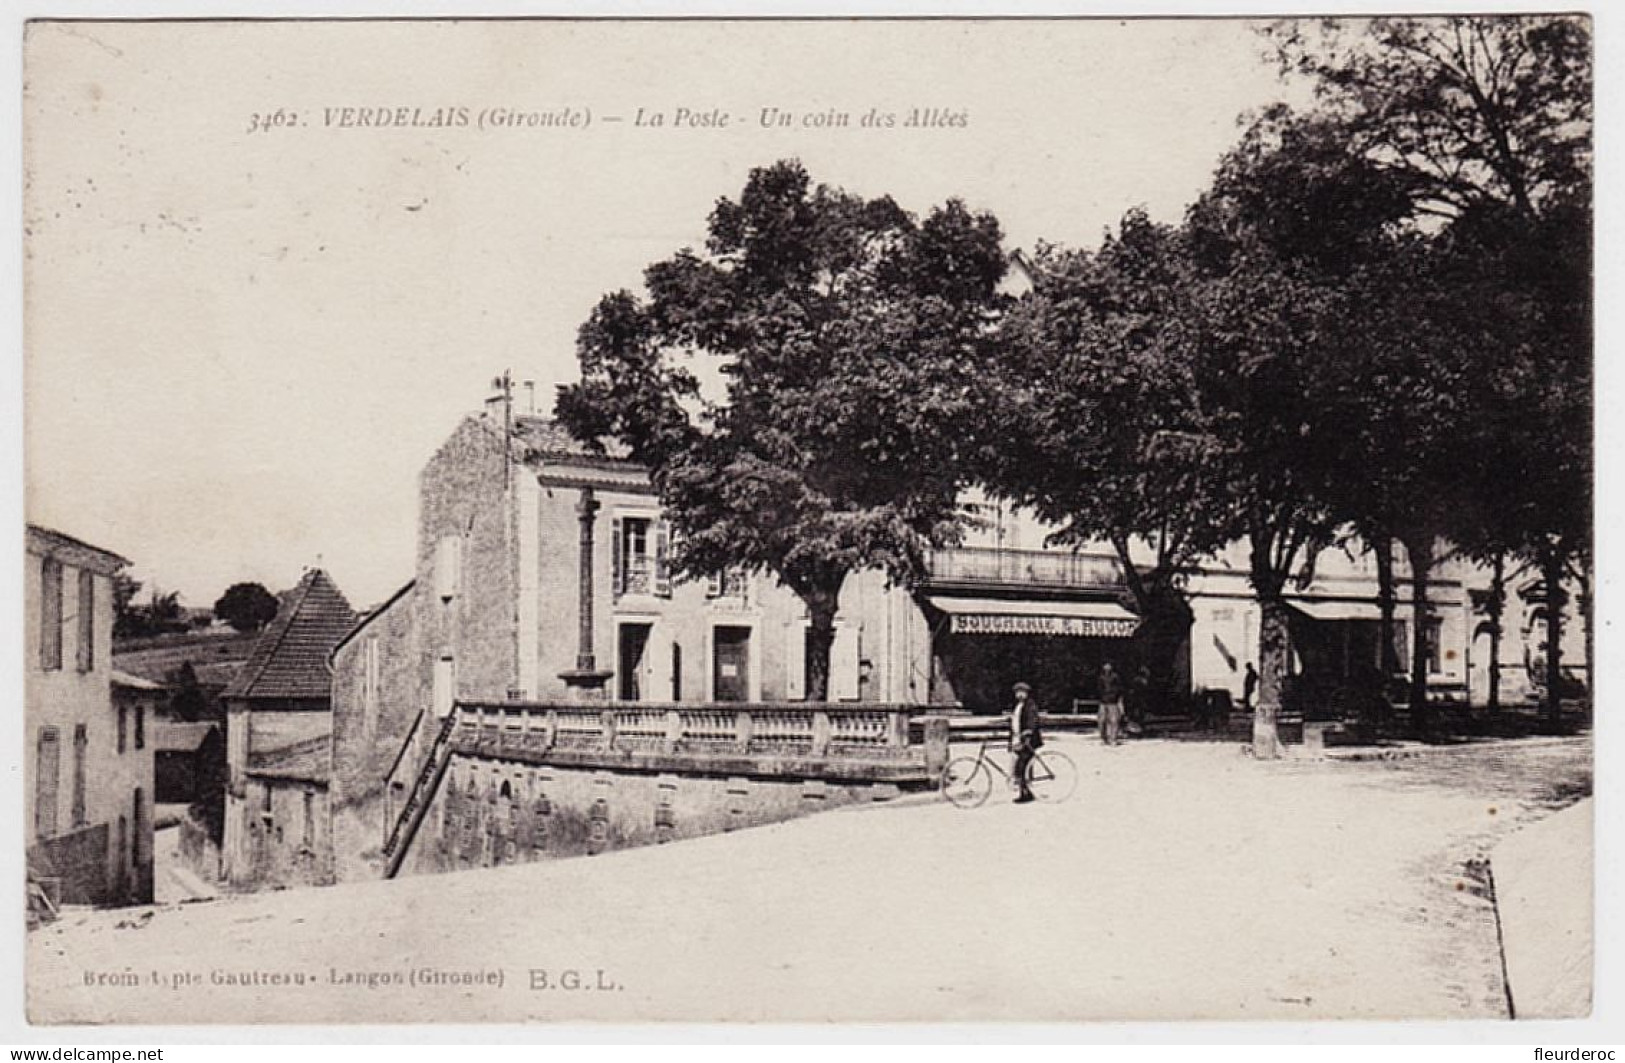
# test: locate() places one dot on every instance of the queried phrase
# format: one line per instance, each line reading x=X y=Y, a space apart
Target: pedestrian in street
x=1111 y=705
x=1025 y=738
x=1249 y=683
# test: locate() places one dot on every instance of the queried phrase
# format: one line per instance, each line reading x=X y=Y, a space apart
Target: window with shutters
x=47 y=776
x=87 y=620
x=81 y=740
x=641 y=548
x=50 y=647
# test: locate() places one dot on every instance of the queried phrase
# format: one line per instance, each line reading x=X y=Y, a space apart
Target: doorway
x=630 y=661
x=731 y=675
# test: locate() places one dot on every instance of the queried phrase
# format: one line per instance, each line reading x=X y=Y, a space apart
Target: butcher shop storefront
x=981 y=647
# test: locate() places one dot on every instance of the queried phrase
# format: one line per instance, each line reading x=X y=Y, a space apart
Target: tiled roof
x=290 y=658
x=549 y=439
x=310 y=760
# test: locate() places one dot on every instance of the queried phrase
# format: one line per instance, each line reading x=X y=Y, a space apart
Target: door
x=630 y=660
x=731 y=677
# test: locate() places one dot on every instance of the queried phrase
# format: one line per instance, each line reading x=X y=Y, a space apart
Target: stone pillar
x=586 y=681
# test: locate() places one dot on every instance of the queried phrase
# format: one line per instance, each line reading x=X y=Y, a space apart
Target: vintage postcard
x=808 y=520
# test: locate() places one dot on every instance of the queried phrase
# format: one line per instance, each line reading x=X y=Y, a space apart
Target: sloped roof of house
x=307 y=761
x=43 y=540
x=174 y=736
x=290 y=658
x=546 y=438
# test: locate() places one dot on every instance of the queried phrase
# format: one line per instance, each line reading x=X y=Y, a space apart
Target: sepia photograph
x=807 y=520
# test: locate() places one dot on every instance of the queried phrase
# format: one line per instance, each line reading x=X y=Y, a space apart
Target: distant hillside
x=215 y=655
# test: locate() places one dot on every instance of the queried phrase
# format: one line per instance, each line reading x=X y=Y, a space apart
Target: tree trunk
x=1383 y=547
x=1274 y=649
x=821 y=606
x=1551 y=565
x=1498 y=592
x=1584 y=579
x=1419 y=551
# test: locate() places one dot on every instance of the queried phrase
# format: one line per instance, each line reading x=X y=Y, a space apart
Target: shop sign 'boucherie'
x=1076 y=626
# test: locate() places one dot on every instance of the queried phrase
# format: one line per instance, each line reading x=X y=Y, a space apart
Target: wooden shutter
x=843 y=664
x=617 y=564
x=662 y=560
x=87 y=620
x=81 y=739
x=50 y=647
x=48 y=774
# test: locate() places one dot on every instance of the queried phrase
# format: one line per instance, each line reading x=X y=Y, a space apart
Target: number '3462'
x=277 y=119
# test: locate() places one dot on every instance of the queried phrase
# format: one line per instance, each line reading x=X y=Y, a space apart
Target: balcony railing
x=991 y=566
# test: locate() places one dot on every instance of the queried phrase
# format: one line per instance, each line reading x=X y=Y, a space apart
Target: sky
x=240 y=347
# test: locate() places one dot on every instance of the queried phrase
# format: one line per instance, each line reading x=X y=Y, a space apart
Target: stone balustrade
x=785 y=740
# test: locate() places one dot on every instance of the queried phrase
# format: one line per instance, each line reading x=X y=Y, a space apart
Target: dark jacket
x=1111 y=686
x=1025 y=725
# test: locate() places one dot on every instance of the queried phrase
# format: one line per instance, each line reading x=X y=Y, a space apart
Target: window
x=1431 y=636
x=50 y=647
x=87 y=620
x=641 y=546
x=309 y=818
x=140 y=726
x=123 y=717
x=48 y=773
x=444 y=686
x=81 y=739
x=448 y=567
x=731 y=584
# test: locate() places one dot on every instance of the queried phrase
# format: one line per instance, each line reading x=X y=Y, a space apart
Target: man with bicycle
x=1025 y=738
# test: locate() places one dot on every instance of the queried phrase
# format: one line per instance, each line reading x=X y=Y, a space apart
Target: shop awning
x=1004 y=616
x=1331 y=610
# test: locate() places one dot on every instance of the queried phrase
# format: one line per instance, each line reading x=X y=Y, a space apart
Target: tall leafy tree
x=1489 y=119
x=1288 y=219
x=854 y=343
x=1102 y=432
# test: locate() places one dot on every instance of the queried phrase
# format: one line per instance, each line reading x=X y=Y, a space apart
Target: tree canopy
x=854 y=343
x=246 y=606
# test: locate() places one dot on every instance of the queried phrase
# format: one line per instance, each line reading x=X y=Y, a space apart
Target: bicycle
x=967 y=781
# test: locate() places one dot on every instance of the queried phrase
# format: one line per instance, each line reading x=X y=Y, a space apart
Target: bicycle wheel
x=1052 y=776
x=966 y=782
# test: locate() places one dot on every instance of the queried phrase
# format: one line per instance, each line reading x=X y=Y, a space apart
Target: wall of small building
x=467 y=563
x=286 y=837
x=253 y=731
x=100 y=835
x=378 y=694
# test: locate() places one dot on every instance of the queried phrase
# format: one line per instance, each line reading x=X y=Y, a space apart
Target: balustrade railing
x=818 y=730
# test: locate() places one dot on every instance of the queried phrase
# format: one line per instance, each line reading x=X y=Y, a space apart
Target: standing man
x=1249 y=683
x=1024 y=738
x=1111 y=705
